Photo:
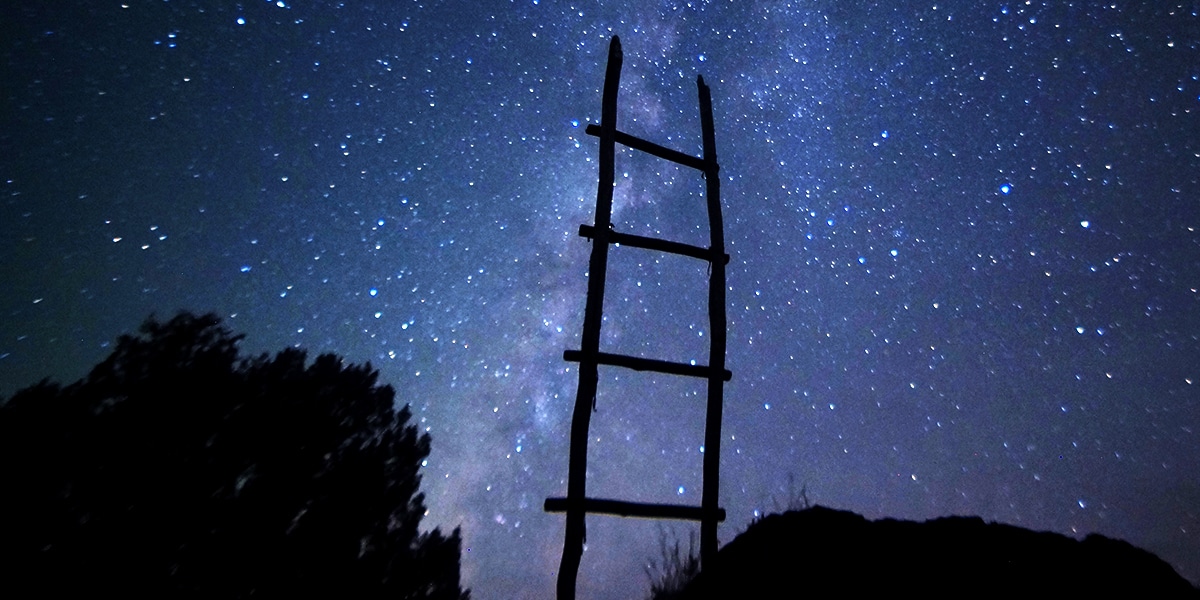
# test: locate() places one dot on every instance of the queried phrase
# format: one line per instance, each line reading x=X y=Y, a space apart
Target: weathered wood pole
x=585 y=395
x=716 y=327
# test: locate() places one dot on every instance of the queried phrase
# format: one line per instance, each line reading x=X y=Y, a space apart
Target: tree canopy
x=178 y=467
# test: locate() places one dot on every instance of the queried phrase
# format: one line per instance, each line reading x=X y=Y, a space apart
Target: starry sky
x=965 y=272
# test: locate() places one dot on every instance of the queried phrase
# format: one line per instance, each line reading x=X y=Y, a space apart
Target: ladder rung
x=647 y=364
x=662 y=152
x=634 y=509
x=649 y=243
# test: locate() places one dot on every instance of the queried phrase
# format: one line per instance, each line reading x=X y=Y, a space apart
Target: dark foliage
x=674 y=568
x=820 y=552
x=177 y=468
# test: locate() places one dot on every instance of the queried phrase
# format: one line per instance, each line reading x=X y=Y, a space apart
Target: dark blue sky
x=965 y=272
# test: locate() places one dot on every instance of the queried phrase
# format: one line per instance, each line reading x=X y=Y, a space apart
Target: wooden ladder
x=589 y=356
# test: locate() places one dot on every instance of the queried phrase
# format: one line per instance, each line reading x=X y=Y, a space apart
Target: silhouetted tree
x=177 y=468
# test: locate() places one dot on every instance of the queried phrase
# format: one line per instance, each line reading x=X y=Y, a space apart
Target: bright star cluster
x=965 y=272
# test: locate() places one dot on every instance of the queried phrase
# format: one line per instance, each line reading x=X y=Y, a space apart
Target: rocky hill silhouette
x=823 y=552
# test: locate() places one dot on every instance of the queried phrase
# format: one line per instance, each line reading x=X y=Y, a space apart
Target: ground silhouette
x=823 y=552
x=178 y=468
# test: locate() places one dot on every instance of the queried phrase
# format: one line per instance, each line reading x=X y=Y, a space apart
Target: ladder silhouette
x=589 y=356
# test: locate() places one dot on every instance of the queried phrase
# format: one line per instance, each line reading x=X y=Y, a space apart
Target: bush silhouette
x=674 y=569
x=177 y=467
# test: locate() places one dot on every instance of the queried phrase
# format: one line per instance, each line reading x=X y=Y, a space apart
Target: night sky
x=965 y=243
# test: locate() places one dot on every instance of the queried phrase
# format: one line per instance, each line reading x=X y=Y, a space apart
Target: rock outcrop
x=821 y=552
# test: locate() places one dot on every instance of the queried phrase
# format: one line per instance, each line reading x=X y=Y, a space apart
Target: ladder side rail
x=717 y=331
x=585 y=397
